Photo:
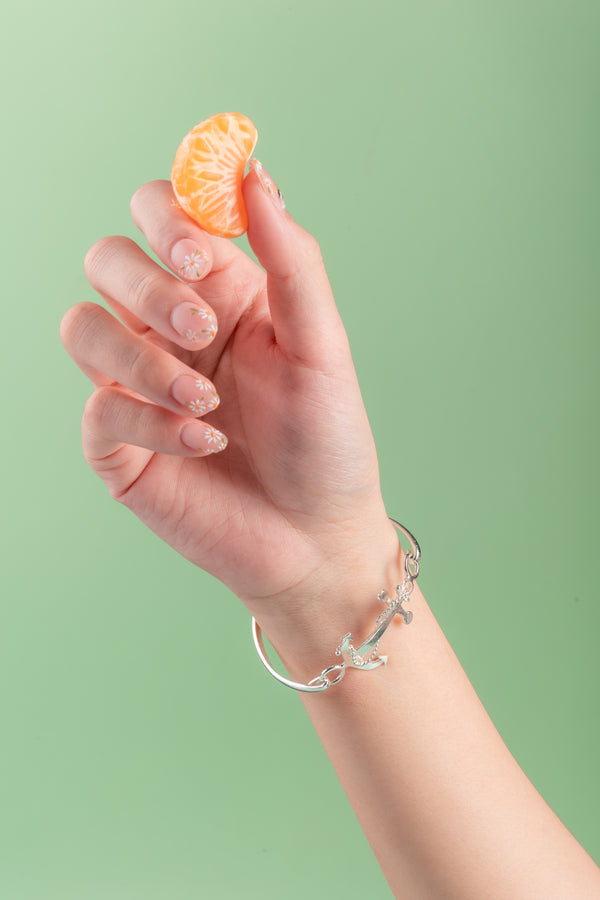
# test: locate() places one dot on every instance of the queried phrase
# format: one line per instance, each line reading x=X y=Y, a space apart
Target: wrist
x=306 y=624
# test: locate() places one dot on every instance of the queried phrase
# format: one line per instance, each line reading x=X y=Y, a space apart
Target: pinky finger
x=114 y=420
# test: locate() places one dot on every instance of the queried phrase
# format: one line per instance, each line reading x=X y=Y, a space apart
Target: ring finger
x=99 y=343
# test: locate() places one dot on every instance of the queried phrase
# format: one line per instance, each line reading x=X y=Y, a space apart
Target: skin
x=291 y=514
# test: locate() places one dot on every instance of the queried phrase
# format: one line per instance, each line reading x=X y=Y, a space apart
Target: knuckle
x=96 y=257
x=143 y=288
x=137 y=198
x=68 y=324
x=100 y=256
x=138 y=202
x=146 y=418
x=312 y=248
x=80 y=326
x=142 y=195
x=99 y=410
x=141 y=364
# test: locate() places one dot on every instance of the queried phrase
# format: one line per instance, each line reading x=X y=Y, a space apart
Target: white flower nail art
x=215 y=439
x=210 y=327
x=208 y=402
x=194 y=264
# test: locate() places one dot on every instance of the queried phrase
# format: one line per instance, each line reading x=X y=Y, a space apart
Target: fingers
x=114 y=419
x=122 y=273
x=107 y=351
x=303 y=311
x=122 y=431
x=305 y=318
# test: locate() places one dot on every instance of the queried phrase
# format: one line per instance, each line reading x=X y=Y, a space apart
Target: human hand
x=291 y=509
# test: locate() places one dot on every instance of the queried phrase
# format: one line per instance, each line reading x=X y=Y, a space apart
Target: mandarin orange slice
x=209 y=169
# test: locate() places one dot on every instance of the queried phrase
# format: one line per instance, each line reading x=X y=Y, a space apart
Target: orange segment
x=209 y=169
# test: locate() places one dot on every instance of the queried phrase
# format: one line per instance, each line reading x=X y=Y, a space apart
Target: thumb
x=305 y=318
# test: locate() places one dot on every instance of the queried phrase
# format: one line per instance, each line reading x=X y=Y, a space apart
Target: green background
x=446 y=155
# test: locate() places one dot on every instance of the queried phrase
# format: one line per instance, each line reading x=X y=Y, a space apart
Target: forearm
x=291 y=519
x=446 y=808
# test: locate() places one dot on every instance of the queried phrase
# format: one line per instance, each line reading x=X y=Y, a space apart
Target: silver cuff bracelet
x=366 y=655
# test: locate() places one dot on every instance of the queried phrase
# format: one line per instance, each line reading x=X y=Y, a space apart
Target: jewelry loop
x=327 y=682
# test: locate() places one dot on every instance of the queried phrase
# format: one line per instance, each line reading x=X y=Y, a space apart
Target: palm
x=299 y=449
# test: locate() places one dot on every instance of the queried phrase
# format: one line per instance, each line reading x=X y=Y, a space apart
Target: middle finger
x=128 y=279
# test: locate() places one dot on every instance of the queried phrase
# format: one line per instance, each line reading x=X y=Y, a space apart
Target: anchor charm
x=365 y=656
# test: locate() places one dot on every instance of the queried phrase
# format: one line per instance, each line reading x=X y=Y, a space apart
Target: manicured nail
x=203 y=438
x=194 y=324
x=189 y=260
x=267 y=183
x=196 y=394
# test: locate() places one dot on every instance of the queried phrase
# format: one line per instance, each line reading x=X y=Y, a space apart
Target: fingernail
x=203 y=438
x=189 y=260
x=196 y=394
x=194 y=323
x=267 y=183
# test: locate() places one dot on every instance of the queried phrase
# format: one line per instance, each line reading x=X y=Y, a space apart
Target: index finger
x=185 y=248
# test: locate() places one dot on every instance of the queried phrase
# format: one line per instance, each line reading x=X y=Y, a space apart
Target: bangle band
x=365 y=656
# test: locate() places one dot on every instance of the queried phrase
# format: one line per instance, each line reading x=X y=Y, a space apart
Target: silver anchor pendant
x=365 y=656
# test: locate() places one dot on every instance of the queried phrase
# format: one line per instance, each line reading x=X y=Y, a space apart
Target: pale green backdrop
x=446 y=156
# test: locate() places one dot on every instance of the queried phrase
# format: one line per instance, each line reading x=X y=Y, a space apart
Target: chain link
x=322 y=679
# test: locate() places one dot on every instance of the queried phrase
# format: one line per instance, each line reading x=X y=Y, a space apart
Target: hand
x=291 y=508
